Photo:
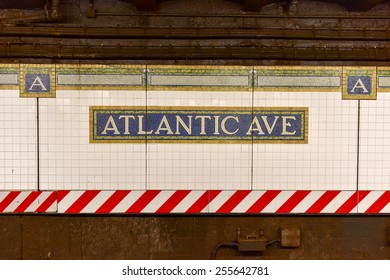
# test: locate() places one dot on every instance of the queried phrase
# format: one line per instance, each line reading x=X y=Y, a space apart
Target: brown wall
x=190 y=237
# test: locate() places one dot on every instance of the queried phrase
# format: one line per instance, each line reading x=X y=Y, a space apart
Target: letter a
x=38 y=82
x=359 y=84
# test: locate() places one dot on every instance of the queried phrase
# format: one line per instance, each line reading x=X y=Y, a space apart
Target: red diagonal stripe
x=203 y=201
x=47 y=203
x=144 y=200
x=27 y=202
x=82 y=201
x=112 y=201
x=263 y=201
x=380 y=203
x=173 y=201
x=292 y=202
x=322 y=202
x=8 y=200
x=61 y=195
x=233 y=201
x=352 y=202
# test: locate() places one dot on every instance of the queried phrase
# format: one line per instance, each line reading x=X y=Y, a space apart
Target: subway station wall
x=194 y=139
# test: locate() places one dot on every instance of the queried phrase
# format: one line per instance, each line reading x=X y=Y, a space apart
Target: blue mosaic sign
x=37 y=83
x=37 y=80
x=198 y=124
x=359 y=85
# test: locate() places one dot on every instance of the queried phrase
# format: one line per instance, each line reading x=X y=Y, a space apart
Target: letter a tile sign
x=37 y=80
x=359 y=83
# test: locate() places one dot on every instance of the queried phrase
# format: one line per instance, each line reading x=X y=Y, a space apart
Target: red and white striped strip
x=224 y=202
x=28 y=202
x=197 y=202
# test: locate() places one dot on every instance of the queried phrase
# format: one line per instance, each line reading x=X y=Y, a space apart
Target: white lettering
x=127 y=122
x=113 y=127
x=359 y=84
x=252 y=129
x=180 y=122
x=287 y=124
x=164 y=125
x=38 y=82
x=223 y=123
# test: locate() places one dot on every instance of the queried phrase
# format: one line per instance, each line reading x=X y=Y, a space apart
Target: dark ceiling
x=150 y=5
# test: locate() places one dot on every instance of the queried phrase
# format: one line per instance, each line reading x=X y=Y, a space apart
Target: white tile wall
x=327 y=162
x=374 y=159
x=18 y=142
x=199 y=166
x=69 y=161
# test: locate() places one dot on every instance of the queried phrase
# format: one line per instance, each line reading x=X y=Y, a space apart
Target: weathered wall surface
x=190 y=237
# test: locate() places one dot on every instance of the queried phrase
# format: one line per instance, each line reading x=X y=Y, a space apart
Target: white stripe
x=248 y=201
x=97 y=201
x=127 y=201
x=53 y=206
x=297 y=81
x=278 y=201
x=368 y=201
x=42 y=197
x=8 y=79
x=307 y=202
x=204 y=80
x=105 y=80
x=157 y=202
x=219 y=200
x=17 y=201
x=3 y=195
x=188 y=201
x=386 y=209
x=69 y=200
x=35 y=203
x=339 y=200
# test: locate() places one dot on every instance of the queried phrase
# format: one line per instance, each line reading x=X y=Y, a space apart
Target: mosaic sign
x=198 y=124
x=359 y=83
x=37 y=81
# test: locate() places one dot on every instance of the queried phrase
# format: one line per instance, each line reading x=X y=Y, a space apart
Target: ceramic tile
x=18 y=142
x=198 y=166
x=374 y=158
x=70 y=161
x=327 y=161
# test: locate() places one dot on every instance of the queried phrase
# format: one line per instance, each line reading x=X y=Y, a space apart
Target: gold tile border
x=372 y=96
x=22 y=82
x=12 y=66
x=142 y=68
x=305 y=119
x=298 y=89
x=378 y=70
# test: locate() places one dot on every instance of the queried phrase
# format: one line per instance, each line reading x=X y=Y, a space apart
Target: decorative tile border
x=205 y=78
x=354 y=82
x=297 y=78
x=101 y=77
x=383 y=79
x=197 y=202
x=9 y=76
x=37 y=80
x=110 y=124
x=359 y=83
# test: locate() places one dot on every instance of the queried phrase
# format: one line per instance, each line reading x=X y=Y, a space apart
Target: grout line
x=146 y=121
x=358 y=150
x=253 y=104
x=38 y=150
